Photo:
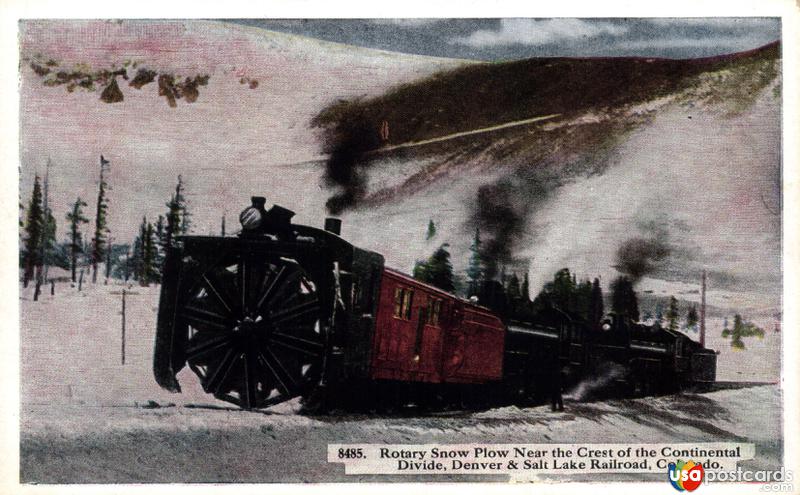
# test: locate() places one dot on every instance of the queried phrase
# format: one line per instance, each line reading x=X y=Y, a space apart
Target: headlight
x=250 y=218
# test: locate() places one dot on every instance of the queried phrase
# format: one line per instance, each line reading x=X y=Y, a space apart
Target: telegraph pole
x=124 y=294
x=703 y=311
x=123 y=326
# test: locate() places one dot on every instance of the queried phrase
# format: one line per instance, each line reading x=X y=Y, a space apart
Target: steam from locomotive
x=285 y=310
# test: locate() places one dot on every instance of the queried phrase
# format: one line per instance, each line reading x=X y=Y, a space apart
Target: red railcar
x=423 y=334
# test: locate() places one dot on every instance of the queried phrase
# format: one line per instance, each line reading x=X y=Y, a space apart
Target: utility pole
x=223 y=225
x=123 y=325
x=703 y=311
x=124 y=294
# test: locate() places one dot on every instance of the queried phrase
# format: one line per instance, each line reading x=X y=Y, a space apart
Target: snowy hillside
x=234 y=141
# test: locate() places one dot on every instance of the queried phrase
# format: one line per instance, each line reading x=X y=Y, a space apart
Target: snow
x=85 y=417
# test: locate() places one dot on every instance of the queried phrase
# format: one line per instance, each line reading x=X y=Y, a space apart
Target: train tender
x=284 y=310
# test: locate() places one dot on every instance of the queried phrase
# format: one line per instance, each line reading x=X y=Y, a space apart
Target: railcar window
x=408 y=298
x=434 y=311
x=403 y=299
x=398 y=302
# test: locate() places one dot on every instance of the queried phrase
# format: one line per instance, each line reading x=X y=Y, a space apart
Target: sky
x=517 y=38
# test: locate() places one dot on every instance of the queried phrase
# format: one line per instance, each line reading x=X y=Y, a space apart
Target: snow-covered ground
x=73 y=443
x=82 y=418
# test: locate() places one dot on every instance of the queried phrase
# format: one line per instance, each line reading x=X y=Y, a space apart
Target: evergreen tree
x=743 y=329
x=513 y=290
x=476 y=268
x=526 y=288
x=692 y=318
x=144 y=257
x=177 y=220
x=672 y=314
x=562 y=291
x=34 y=228
x=431 y=233
x=596 y=305
x=659 y=316
x=76 y=218
x=135 y=258
x=160 y=232
x=100 y=221
x=725 y=330
x=49 y=238
x=437 y=270
x=583 y=300
x=149 y=255
x=736 y=341
x=623 y=298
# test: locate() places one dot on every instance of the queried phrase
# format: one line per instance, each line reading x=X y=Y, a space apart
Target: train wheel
x=254 y=334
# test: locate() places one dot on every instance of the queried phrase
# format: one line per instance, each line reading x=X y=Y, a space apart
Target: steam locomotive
x=284 y=310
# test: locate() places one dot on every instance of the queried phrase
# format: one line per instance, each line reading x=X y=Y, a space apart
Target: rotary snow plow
x=260 y=317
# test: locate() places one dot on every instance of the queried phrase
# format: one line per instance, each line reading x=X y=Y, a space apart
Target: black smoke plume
x=502 y=211
x=501 y=221
x=345 y=170
x=640 y=256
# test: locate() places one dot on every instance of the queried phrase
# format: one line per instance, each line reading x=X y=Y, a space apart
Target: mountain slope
x=685 y=153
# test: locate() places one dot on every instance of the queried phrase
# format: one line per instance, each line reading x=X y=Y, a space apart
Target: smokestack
x=703 y=311
x=333 y=225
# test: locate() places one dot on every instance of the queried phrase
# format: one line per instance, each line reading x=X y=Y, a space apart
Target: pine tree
x=562 y=291
x=437 y=270
x=49 y=238
x=34 y=227
x=583 y=300
x=177 y=218
x=145 y=252
x=76 y=218
x=431 y=233
x=623 y=298
x=743 y=329
x=692 y=318
x=526 y=288
x=738 y=324
x=100 y=221
x=659 y=316
x=672 y=314
x=513 y=290
x=160 y=232
x=149 y=254
x=135 y=258
x=596 y=305
x=476 y=268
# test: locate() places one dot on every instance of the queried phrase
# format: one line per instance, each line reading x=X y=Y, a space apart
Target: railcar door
x=429 y=340
x=395 y=330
